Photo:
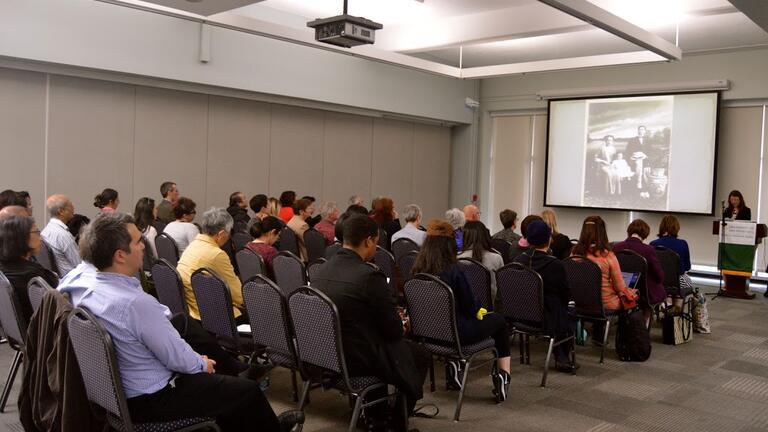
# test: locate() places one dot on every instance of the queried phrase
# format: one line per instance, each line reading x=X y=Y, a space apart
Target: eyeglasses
x=37 y=231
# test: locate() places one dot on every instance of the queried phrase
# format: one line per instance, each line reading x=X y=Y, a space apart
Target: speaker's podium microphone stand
x=736 y=254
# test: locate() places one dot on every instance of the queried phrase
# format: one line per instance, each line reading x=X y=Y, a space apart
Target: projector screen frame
x=713 y=199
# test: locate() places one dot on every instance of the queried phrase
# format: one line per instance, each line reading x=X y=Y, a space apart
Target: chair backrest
x=167 y=248
x=431 y=307
x=402 y=246
x=149 y=258
x=36 y=289
x=240 y=239
x=271 y=324
x=405 y=263
x=214 y=303
x=479 y=278
x=631 y=261
x=521 y=294
x=314 y=241
x=288 y=241
x=331 y=250
x=386 y=264
x=15 y=330
x=670 y=264
x=46 y=258
x=585 y=281
x=289 y=272
x=384 y=239
x=249 y=263
x=318 y=330
x=98 y=367
x=169 y=287
x=502 y=247
x=315 y=267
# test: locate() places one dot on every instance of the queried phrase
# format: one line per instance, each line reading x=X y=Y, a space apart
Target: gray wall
x=76 y=136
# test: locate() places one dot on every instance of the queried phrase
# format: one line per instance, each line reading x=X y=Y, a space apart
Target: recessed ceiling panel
x=204 y=7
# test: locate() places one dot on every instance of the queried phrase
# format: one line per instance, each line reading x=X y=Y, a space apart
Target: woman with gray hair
x=456 y=218
x=329 y=213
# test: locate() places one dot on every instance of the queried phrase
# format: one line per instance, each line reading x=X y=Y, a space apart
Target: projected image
x=627 y=153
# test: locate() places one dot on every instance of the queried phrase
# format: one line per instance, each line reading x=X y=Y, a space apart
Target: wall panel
x=431 y=157
x=392 y=152
x=296 y=151
x=347 y=161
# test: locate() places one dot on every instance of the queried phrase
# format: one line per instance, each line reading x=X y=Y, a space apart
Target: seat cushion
x=171 y=425
x=450 y=351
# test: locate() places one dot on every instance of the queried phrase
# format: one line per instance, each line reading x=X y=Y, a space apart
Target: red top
x=327 y=229
x=264 y=250
x=286 y=213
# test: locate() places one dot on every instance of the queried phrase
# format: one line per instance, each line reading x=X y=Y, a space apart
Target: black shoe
x=567 y=367
x=289 y=419
x=256 y=371
x=453 y=374
x=765 y=294
x=500 y=385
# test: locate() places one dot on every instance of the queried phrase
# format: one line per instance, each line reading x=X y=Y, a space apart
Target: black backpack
x=633 y=340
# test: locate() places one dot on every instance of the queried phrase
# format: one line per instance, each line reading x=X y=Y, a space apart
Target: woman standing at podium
x=737 y=209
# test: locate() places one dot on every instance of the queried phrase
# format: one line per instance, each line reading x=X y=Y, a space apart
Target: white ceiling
x=475 y=38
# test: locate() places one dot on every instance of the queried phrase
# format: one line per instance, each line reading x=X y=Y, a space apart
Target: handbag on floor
x=700 y=313
x=633 y=340
x=676 y=330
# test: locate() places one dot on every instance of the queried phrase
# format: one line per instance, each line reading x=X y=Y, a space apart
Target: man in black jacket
x=371 y=327
x=238 y=209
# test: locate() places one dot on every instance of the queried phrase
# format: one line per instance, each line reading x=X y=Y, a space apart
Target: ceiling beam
x=757 y=11
x=601 y=18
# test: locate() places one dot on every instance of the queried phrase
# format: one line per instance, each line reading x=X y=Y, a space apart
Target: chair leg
x=294 y=387
x=522 y=348
x=304 y=395
x=463 y=389
x=546 y=362
x=11 y=377
x=528 y=349
x=356 y=413
x=605 y=340
x=431 y=374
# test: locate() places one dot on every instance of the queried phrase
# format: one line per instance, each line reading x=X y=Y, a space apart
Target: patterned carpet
x=717 y=383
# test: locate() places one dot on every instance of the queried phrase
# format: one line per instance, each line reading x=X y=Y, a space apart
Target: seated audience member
x=355 y=200
x=170 y=194
x=557 y=293
x=144 y=215
x=273 y=207
x=205 y=251
x=455 y=217
x=412 y=216
x=471 y=213
x=302 y=210
x=438 y=257
x=669 y=228
x=637 y=231
x=258 y=204
x=593 y=244
x=313 y=220
x=58 y=237
x=107 y=201
x=371 y=327
x=13 y=210
x=238 y=209
x=19 y=242
x=163 y=377
x=27 y=199
x=339 y=227
x=76 y=225
x=477 y=245
x=374 y=202
x=561 y=244
x=386 y=217
x=265 y=233
x=509 y=222
x=182 y=230
x=522 y=245
x=327 y=225
x=287 y=199
x=9 y=197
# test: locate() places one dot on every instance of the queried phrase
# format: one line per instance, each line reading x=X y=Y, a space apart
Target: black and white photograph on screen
x=626 y=160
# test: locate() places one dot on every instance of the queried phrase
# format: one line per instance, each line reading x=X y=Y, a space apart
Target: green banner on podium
x=737 y=257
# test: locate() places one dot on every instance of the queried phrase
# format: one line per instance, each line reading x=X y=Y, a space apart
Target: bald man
x=58 y=237
x=13 y=210
x=471 y=213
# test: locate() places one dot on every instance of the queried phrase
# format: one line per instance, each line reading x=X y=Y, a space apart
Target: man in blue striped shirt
x=163 y=377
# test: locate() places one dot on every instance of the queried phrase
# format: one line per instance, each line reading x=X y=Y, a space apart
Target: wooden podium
x=736 y=284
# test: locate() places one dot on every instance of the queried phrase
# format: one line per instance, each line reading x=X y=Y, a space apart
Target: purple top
x=655 y=278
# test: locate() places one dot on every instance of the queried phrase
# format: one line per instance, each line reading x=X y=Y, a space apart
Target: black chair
x=585 y=281
x=521 y=295
x=250 y=264
x=670 y=264
x=479 y=278
x=332 y=250
x=214 y=302
x=240 y=239
x=289 y=271
x=386 y=264
x=314 y=267
x=36 y=289
x=402 y=246
x=631 y=261
x=167 y=249
x=384 y=239
x=149 y=258
x=405 y=264
x=47 y=259
x=169 y=287
x=288 y=241
x=271 y=325
x=314 y=241
x=431 y=307
x=15 y=332
x=502 y=247
x=98 y=365
x=319 y=342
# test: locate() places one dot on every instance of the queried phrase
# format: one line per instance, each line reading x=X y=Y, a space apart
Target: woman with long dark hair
x=144 y=214
x=107 y=200
x=477 y=245
x=438 y=257
x=737 y=209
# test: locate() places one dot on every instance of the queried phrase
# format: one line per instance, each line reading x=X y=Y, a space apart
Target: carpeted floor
x=717 y=383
